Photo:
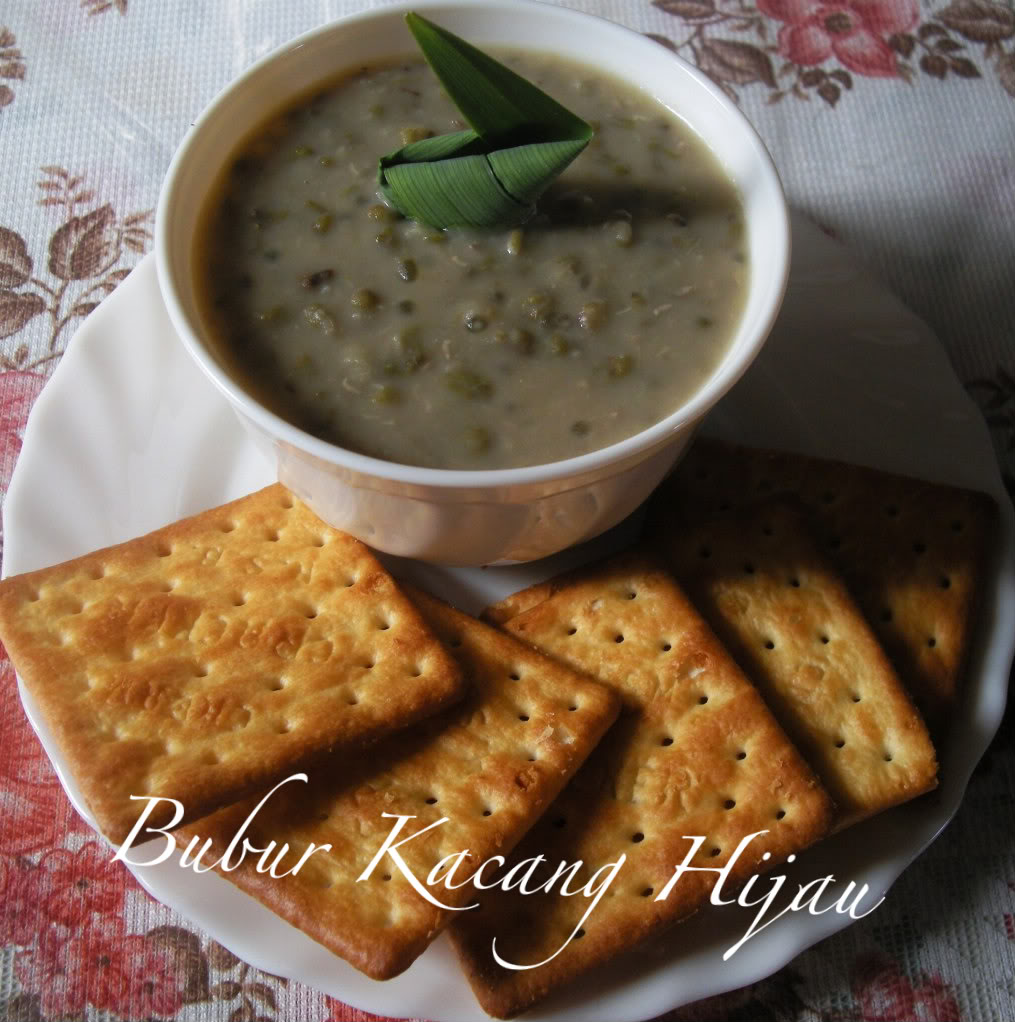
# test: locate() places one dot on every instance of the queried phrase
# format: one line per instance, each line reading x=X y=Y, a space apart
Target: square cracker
x=489 y=766
x=912 y=552
x=696 y=753
x=786 y=616
x=207 y=658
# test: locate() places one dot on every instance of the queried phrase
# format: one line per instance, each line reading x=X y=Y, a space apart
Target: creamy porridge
x=469 y=349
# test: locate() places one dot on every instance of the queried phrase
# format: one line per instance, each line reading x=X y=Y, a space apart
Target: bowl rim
x=593 y=463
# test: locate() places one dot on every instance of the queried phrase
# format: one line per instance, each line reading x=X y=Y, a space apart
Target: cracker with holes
x=487 y=768
x=203 y=660
x=912 y=552
x=785 y=614
x=695 y=754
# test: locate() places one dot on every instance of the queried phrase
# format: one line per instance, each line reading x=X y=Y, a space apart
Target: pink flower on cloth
x=883 y=993
x=159 y=978
x=21 y=910
x=38 y=815
x=90 y=967
x=853 y=31
x=60 y=893
x=18 y=391
x=81 y=883
x=129 y=975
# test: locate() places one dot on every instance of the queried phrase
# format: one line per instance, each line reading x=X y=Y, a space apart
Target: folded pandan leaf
x=519 y=141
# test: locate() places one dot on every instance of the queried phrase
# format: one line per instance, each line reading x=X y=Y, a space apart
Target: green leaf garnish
x=490 y=175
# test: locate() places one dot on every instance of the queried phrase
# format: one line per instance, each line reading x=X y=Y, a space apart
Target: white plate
x=128 y=436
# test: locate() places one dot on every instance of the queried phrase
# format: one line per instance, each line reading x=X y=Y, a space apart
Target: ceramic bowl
x=473 y=516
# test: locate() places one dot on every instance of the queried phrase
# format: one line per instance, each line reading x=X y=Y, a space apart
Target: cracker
x=490 y=765
x=502 y=611
x=786 y=616
x=912 y=552
x=203 y=660
x=696 y=753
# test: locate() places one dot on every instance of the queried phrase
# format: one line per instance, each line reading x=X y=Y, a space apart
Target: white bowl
x=459 y=516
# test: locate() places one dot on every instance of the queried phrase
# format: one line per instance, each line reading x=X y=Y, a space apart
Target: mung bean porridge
x=461 y=348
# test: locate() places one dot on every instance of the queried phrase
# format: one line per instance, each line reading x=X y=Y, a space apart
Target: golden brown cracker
x=912 y=552
x=502 y=611
x=785 y=614
x=206 y=658
x=696 y=753
x=489 y=766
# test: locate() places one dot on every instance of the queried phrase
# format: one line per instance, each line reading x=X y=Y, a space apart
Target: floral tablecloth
x=892 y=123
